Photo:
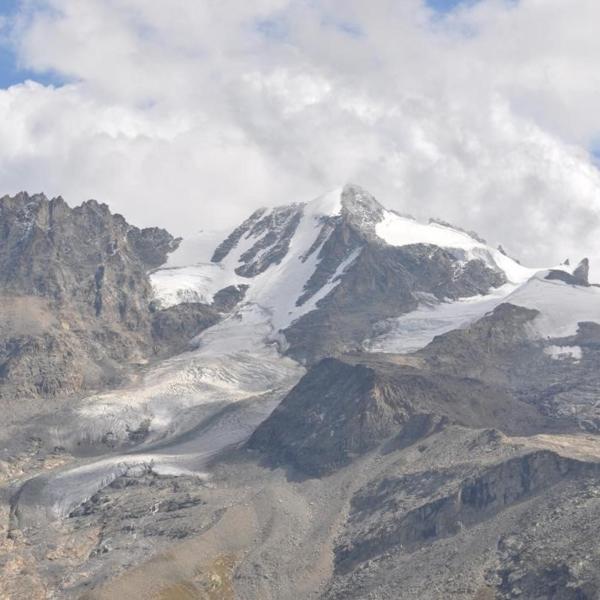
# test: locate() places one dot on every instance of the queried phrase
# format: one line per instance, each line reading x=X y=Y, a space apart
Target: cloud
x=190 y=114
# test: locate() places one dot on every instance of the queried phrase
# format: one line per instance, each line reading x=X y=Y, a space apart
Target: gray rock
x=342 y=409
x=580 y=275
x=228 y=298
x=75 y=289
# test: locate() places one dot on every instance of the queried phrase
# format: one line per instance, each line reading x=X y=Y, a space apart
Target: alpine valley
x=333 y=401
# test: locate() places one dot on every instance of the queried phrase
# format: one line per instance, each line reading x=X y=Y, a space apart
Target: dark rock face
x=341 y=410
x=47 y=247
x=228 y=298
x=360 y=210
x=383 y=282
x=581 y=272
x=273 y=232
x=341 y=241
x=278 y=229
x=236 y=235
x=173 y=327
x=75 y=295
x=419 y=508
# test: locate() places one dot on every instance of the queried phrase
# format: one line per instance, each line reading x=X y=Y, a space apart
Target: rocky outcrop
x=382 y=282
x=225 y=247
x=489 y=349
x=580 y=274
x=75 y=295
x=341 y=409
x=173 y=327
x=419 y=508
x=272 y=233
x=228 y=298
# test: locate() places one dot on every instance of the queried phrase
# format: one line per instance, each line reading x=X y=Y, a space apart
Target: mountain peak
x=361 y=209
x=292 y=257
x=582 y=271
x=579 y=275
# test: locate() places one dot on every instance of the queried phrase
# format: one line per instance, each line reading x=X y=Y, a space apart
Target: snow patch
x=401 y=231
x=561 y=306
x=416 y=329
x=397 y=230
x=564 y=352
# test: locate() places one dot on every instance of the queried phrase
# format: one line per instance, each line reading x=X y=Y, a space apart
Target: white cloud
x=189 y=114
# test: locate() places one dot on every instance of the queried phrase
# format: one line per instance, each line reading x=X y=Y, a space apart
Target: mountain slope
x=362 y=406
x=340 y=264
x=76 y=296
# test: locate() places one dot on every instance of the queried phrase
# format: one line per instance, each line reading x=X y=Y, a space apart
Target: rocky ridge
x=466 y=467
x=76 y=297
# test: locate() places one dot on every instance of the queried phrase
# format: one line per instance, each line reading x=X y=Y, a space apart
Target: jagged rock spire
x=581 y=272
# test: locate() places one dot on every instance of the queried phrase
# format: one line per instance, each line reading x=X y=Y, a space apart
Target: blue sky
x=446 y=5
x=11 y=72
x=595 y=150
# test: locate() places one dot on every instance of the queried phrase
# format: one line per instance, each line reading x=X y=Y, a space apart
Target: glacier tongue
x=192 y=407
x=234 y=360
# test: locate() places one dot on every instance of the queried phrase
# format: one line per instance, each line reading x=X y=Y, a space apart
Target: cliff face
x=344 y=408
x=75 y=295
x=85 y=255
x=383 y=282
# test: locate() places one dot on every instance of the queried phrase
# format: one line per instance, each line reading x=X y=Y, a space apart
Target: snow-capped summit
x=340 y=257
x=273 y=237
x=342 y=272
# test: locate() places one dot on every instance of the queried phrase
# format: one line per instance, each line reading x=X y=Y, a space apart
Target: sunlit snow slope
x=278 y=288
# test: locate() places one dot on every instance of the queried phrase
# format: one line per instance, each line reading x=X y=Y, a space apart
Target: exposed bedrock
x=408 y=511
x=173 y=327
x=557 y=375
x=343 y=409
x=76 y=296
x=383 y=282
x=580 y=274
